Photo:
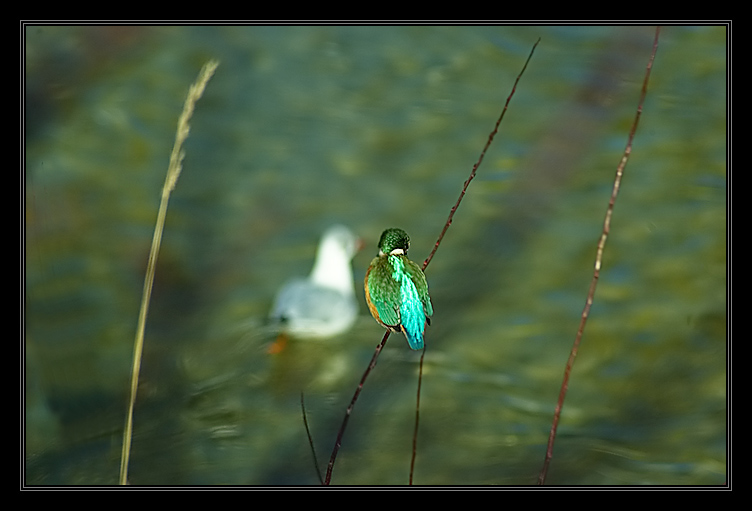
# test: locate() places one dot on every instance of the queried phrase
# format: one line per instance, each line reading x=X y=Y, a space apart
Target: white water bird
x=324 y=304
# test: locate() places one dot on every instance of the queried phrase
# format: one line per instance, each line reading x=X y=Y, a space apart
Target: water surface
x=302 y=127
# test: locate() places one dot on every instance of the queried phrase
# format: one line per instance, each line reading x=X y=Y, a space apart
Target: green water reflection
x=302 y=127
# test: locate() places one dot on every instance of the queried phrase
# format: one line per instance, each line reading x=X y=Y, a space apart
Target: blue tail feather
x=412 y=315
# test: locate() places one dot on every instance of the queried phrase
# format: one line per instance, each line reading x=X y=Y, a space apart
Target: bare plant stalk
x=417 y=417
x=173 y=172
x=598 y=261
x=310 y=438
x=441 y=236
x=338 y=442
x=480 y=160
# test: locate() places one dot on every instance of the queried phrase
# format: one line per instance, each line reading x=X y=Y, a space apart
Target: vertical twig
x=338 y=442
x=598 y=261
x=310 y=438
x=444 y=230
x=480 y=160
x=417 y=417
x=173 y=172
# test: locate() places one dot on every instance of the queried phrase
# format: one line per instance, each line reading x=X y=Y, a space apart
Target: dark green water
x=375 y=127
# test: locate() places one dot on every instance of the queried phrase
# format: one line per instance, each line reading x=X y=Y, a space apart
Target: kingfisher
x=396 y=289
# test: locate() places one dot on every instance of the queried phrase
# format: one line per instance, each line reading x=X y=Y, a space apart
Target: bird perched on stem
x=396 y=289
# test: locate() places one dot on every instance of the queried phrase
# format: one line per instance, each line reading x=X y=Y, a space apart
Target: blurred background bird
x=324 y=304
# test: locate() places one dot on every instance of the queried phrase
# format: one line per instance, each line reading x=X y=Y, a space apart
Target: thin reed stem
x=443 y=232
x=417 y=417
x=597 y=266
x=480 y=159
x=338 y=442
x=310 y=438
x=173 y=172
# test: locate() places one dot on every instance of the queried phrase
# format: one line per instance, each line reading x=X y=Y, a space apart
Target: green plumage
x=396 y=289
